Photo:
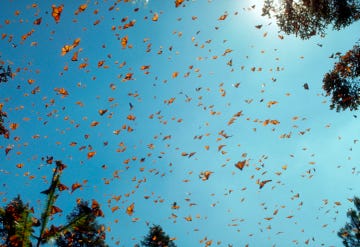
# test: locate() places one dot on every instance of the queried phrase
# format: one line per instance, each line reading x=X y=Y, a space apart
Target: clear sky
x=189 y=92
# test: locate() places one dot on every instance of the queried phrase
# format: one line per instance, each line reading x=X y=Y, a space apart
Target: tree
x=307 y=18
x=17 y=222
x=5 y=74
x=157 y=238
x=350 y=234
x=343 y=82
x=3 y=130
x=82 y=229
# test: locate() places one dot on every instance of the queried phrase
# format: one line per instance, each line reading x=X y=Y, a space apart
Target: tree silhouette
x=307 y=18
x=343 y=82
x=17 y=222
x=3 y=130
x=5 y=74
x=157 y=238
x=350 y=234
x=82 y=229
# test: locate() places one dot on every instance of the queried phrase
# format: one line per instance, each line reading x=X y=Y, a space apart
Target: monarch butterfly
x=14 y=126
x=124 y=41
x=20 y=165
x=37 y=21
x=75 y=186
x=144 y=67
x=241 y=164
x=175 y=74
x=188 y=218
x=205 y=175
x=223 y=17
x=102 y=112
x=155 y=17
x=113 y=209
x=130 y=209
x=262 y=183
x=95 y=206
x=91 y=154
x=81 y=8
x=75 y=56
x=100 y=63
x=61 y=91
x=178 y=3
x=55 y=210
x=62 y=187
x=56 y=12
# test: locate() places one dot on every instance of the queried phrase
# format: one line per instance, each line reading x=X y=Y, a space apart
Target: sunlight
x=144 y=2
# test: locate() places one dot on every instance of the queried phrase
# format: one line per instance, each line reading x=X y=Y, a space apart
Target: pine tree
x=157 y=238
x=343 y=82
x=82 y=229
x=17 y=223
x=5 y=74
x=350 y=233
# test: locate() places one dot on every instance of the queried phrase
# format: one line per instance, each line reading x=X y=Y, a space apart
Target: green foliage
x=350 y=234
x=157 y=238
x=307 y=18
x=17 y=223
x=343 y=82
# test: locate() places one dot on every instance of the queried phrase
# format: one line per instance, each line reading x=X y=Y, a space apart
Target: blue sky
x=312 y=170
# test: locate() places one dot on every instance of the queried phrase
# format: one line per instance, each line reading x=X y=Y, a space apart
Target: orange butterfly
x=38 y=21
x=55 y=210
x=113 y=209
x=262 y=183
x=128 y=77
x=101 y=63
x=20 y=165
x=62 y=91
x=223 y=17
x=241 y=164
x=14 y=126
x=124 y=41
x=205 y=175
x=175 y=74
x=95 y=206
x=75 y=186
x=130 y=209
x=178 y=3
x=75 y=56
x=102 y=112
x=56 y=12
x=81 y=8
x=91 y=154
x=62 y=187
x=155 y=17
